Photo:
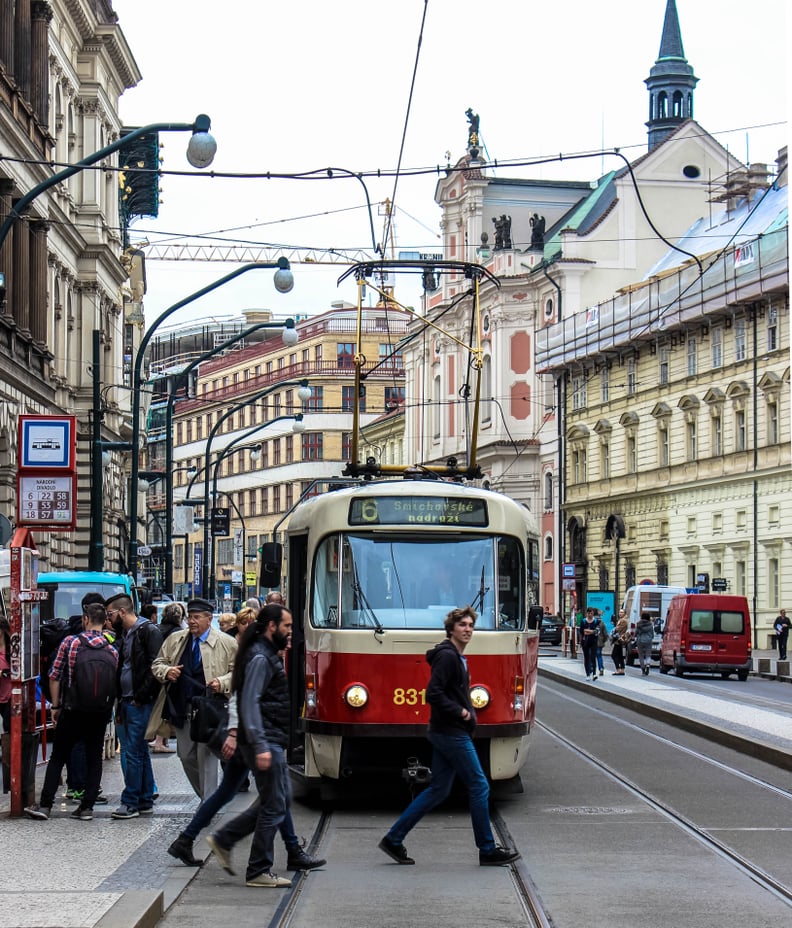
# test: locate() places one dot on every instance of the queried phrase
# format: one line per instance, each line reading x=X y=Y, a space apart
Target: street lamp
x=284 y=283
x=208 y=552
x=200 y=152
x=289 y=337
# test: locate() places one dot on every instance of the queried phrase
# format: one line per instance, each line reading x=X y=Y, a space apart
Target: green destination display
x=418 y=510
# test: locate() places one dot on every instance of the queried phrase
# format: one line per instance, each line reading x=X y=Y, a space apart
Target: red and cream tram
x=372 y=570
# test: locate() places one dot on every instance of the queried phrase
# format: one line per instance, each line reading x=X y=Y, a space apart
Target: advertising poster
x=604 y=601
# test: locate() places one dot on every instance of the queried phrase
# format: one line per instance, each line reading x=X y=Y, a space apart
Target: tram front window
x=386 y=582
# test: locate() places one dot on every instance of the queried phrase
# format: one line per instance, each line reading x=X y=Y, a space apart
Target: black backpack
x=93 y=687
x=52 y=632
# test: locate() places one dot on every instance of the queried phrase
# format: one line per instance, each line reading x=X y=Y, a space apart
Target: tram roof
x=338 y=500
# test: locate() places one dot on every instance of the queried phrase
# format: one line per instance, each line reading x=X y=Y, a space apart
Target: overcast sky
x=308 y=84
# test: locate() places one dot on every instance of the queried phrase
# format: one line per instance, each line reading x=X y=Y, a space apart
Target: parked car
x=551 y=630
x=654 y=599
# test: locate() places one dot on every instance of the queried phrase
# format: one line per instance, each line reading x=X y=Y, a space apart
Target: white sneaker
x=269 y=881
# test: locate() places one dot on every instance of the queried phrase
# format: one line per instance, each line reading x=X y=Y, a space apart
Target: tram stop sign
x=221 y=522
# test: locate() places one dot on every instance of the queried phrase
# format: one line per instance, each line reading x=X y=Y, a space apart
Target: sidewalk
x=100 y=874
x=751 y=727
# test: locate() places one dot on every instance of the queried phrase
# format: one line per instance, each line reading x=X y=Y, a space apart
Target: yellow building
x=676 y=431
x=246 y=400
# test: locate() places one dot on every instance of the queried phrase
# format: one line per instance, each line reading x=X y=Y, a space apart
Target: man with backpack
x=83 y=686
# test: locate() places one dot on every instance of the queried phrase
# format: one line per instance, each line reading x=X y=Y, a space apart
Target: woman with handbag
x=619 y=638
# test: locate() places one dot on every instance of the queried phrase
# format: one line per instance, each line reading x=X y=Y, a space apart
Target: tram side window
x=325 y=584
x=511 y=584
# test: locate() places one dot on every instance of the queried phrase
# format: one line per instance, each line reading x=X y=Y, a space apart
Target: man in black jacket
x=451 y=725
x=139 y=688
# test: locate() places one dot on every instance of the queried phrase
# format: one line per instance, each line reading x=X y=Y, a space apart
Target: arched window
x=548 y=490
x=486 y=390
x=548 y=548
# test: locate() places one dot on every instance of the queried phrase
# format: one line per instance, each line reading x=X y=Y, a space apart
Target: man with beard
x=259 y=682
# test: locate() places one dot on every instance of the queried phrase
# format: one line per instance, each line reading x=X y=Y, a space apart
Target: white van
x=655 y=599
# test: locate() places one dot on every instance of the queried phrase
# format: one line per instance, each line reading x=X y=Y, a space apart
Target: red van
x=707 y=633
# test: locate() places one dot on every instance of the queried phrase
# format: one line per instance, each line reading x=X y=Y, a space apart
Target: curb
x=135 y=909
x=765 y=752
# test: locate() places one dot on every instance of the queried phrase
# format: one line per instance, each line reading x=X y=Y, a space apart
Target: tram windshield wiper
x=478 y=602
x=362 y=599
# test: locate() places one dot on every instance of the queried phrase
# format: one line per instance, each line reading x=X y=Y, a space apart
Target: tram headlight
x=356 y=695
x=479 y=696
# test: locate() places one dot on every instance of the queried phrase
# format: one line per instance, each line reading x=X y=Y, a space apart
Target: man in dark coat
x=451 y=726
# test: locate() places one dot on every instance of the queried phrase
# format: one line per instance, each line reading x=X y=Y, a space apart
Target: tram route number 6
x=410 y=697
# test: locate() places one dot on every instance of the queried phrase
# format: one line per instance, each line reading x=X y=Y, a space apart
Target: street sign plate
x=143 y=550
x=46 y=501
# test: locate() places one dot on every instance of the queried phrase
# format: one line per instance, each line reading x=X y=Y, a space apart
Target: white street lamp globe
x=201 y=149
x=255 y=453
x=289 y=336
x=304 y=394
x=299 y=426
x=284 y=281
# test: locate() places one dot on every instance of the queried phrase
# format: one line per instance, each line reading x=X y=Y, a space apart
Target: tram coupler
x=416 y=774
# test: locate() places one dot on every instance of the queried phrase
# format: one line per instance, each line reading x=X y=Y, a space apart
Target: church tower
x=671 y=82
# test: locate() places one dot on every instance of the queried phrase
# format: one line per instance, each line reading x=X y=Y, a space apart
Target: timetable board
x=46 y=500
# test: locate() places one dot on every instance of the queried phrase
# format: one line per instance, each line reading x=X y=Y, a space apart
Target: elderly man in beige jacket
x=190 y=663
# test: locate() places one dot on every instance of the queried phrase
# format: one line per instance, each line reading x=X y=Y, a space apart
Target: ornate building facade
x=63 y=68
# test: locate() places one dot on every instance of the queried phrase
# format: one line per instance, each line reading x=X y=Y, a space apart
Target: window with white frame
x=716 y=342
x=548 y=490
x=665 y=357
x=773 y=583
x=486 y=390
x=604 y=385
x=579 y=465
x=772 y=420
x=631 y=376
x=579 y=391
x=692 y=440
x=739 y=578
x=772 y=327
x=692 y=356
x=716 y=430
x=436 y=410
x=548 y=548
x=739 y=430
x=605 y=459
x=739 y=340
x=663 y=450
x=631 y=453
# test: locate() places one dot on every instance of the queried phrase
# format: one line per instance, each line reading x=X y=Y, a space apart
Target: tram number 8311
x=410 y=697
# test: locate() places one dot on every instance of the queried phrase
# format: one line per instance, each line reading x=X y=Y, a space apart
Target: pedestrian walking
x=83 y=680
x=644 y=635
x=782 y=626
x=620 y=638
x=589 y=633
x=138 y=647
x=263 y=705
x=602 y=640
x=191 y=663
x=451 y=726
x=235 y=772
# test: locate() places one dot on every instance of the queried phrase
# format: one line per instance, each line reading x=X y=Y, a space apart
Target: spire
x=671 y=82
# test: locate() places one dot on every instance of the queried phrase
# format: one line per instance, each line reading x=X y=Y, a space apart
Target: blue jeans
x=235 y=773
x=138 y=776
x=264 y=816
x=452 y=755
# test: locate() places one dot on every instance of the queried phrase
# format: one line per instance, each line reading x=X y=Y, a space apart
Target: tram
x=373 y=569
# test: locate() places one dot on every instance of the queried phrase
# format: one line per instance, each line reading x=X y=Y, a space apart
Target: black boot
x=299 y=860
x=182 y=849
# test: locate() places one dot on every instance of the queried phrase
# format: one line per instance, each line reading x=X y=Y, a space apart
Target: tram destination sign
x=418 y=510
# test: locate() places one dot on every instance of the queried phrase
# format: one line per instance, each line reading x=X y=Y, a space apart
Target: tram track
x=290 y=901
x=760 y=876
x=524 y=886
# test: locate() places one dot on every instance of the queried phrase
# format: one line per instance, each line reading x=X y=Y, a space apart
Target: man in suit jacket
x=190 y=662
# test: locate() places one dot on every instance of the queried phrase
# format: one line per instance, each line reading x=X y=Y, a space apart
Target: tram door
x=297 y=599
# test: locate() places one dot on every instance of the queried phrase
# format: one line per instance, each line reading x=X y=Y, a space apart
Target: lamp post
x=289 y=338
x=284 y=281
x=200 y=153
x=241 y=518
x=208 y=551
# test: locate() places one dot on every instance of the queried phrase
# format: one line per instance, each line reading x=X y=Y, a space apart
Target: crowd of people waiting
x=124 y=667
